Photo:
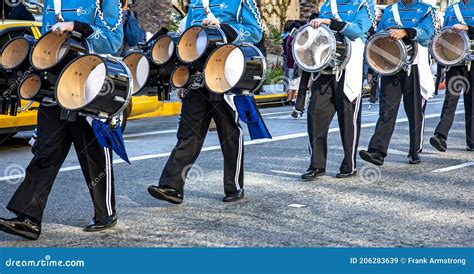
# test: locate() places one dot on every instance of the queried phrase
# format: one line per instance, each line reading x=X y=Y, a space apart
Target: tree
x=277 y=8
x=308 y=7
x=153 y=14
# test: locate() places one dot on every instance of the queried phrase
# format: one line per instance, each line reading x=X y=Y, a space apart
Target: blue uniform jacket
x=354 y=14
x=467 y=11
x=242 y=15
x=415 y=15
x=103 y=40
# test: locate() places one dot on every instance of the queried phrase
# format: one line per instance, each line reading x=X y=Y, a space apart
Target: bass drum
x=95 y=85
x=387 y=56
x=452 y=48
x=139 y=66
x=235 y=68
x=315 y=50
x=196 y=43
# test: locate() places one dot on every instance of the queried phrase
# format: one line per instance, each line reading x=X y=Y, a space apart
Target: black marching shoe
x=312 y=174
x=166 y=193
x=439 y=143
x=346 y=175
x=102 y=223
x=234 y=197
x=414 y=159
x=374 y=157
x=21 y=226
x=470 y=148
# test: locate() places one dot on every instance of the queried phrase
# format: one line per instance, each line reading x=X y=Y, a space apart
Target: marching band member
x=412 y=20
x=460 y=16
x=55 y=135
x=330 y=95
x=239 y=19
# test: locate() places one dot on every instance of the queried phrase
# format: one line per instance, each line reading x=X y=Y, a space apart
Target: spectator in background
x=293 y=70
x=284 y=37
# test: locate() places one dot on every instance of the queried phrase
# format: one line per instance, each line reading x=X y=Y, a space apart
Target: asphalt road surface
x=424 y=205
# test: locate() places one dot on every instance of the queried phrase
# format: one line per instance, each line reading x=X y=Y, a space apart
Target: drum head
x=224 y=68
x=180 y=76
x=313 y=48
x=384 y=55
x=163 y=50
x=192 y=44
x=450 y=47
x=49 y=51
x=29 y=87
x=139 y=67
x=81 y=82
x=15 y=52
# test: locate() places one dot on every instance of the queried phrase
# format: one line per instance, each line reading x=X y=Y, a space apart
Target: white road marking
x=150 y=133
x=297 y=205
x=211 y=148
x=279 y=112
x=451 y=168
x=286 y=172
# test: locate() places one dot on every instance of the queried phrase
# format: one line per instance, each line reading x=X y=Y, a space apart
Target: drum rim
x=147 y=77
x=189 y=76
x=11 y=41
x=70 y=36
x=398 y=42
x=224 y=38
x=329 y=57
x=465 y=38
x=21 y=83
x=129 y=93
x=171 y=57
x=245 y=66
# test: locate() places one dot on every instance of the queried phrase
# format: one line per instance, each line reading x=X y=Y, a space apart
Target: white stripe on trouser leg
x=354 y=120
x=230 y=101
x=423 y=103
x=108 y=182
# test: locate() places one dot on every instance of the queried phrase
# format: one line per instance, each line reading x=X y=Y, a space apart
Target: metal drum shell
x=405 y=59
x=75 y=47
x=215 y=38
x=331 y=61
x=254 y=70
x=467 y=50
x=113 y=102
x=43 y=93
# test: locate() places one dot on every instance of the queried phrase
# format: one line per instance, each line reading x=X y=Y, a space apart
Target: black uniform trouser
x=393 y=88
x=50 y=150
x=302 y=90
x=196 y=114
x=458 y=79
x=327 y=98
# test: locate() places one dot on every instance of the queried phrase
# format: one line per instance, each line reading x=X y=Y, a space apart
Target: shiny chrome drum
x=235 y=68
x=139 y=66
x=197 y=42
x=53 y=50
x=33 y=89
x=315 y=50
x=387 y=56
x=452 y=48
x=180 y=76
x=15 y=53
x=96 y=85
